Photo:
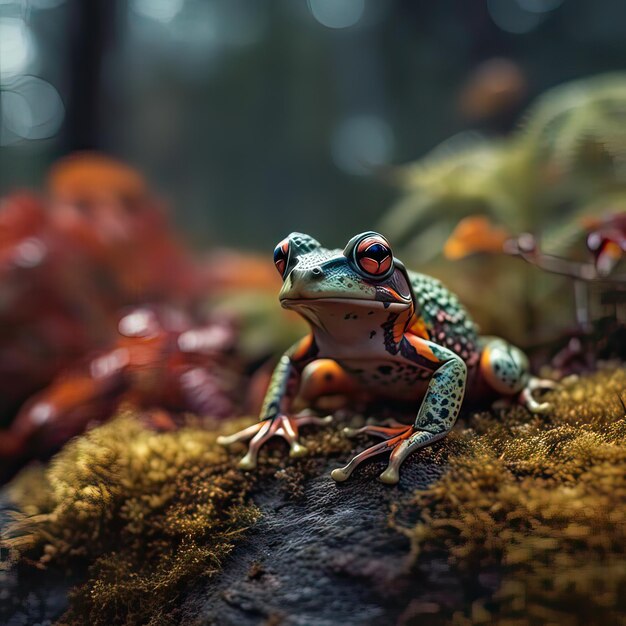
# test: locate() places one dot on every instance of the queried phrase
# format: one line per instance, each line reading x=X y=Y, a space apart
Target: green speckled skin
x=392 y=333
x=449 y=323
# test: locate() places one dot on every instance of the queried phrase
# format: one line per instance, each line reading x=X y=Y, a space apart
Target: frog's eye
x=373 y=255
x=281 y=256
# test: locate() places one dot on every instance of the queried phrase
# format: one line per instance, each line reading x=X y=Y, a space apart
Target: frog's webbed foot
x=400 y=440
x=526 y=396
x=284 y=426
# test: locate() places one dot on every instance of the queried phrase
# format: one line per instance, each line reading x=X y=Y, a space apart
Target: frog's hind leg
x=506 y=370
x=324 y=377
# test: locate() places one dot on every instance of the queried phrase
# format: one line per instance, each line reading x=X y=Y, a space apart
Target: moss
x=145 y=512
x=530 y=513
x=540 y=504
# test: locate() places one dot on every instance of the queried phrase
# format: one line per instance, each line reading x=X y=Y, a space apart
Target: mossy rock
x=512 y=519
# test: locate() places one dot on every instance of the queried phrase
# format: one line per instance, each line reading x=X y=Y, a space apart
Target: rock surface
x=323 y=553
x=29 y=595
x=518 y=501
x=326 y=557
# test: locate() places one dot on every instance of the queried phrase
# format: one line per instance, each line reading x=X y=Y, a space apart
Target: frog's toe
x=402 y=449
x=339 y=474
x=242 y=435
x=248 y=462
x=281 y=425
x=543 y=408
x=390 y=476
x=527 y=399
x=342 y=473
x=305 y=419
x=297 y=450
x=542 y=384
x=384 y=432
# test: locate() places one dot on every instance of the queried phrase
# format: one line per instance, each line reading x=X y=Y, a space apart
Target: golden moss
x=543 y=501
x=540 y=501
x=146 y=512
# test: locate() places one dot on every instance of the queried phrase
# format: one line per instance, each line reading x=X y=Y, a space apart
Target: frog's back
x=447 y=321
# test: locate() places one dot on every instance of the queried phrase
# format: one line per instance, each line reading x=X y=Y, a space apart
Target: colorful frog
x=388 y=333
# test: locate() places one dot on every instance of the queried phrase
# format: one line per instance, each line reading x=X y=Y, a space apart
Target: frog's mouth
x=317 y=303
x=337 y=316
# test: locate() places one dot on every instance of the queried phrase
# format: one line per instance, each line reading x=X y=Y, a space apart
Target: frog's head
x=365 y=273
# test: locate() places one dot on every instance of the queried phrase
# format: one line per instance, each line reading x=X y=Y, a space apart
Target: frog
x=385 y=332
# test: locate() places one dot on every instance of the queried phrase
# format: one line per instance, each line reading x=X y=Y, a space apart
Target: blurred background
x=163 y=147
x=153 y=153
x=255 y=118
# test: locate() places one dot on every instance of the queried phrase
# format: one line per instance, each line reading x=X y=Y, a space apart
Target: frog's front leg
x=436 y=416
x=275 y=419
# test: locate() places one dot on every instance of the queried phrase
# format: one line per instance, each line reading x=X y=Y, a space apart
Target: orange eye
x=373 y=255
x=281 y=256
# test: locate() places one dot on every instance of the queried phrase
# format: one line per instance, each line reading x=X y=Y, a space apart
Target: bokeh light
x=337 y=13
x=540 y=6
x=361 y=143
x=17 y=47
x=512 y=17
x=30 y=108
x=159 y=10
x=260 y=107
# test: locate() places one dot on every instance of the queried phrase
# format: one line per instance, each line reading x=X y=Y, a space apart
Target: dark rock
x=29 y=595
x=322 y=554
x=327 y=557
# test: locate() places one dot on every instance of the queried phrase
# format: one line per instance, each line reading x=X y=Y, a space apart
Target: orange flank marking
x=418 y=327
x=485 y=361
x=421 y=347
x=325 y=377
x=486 y=371
x=398 y=329
x=302 y=348
x=403 y=323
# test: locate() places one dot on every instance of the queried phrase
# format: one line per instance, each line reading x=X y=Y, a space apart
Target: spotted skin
x=446 y=389
x=447 y=321
x=379 y=330
x=503 y=366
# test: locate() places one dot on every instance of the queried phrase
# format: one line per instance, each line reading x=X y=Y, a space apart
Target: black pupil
x=377 y=252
